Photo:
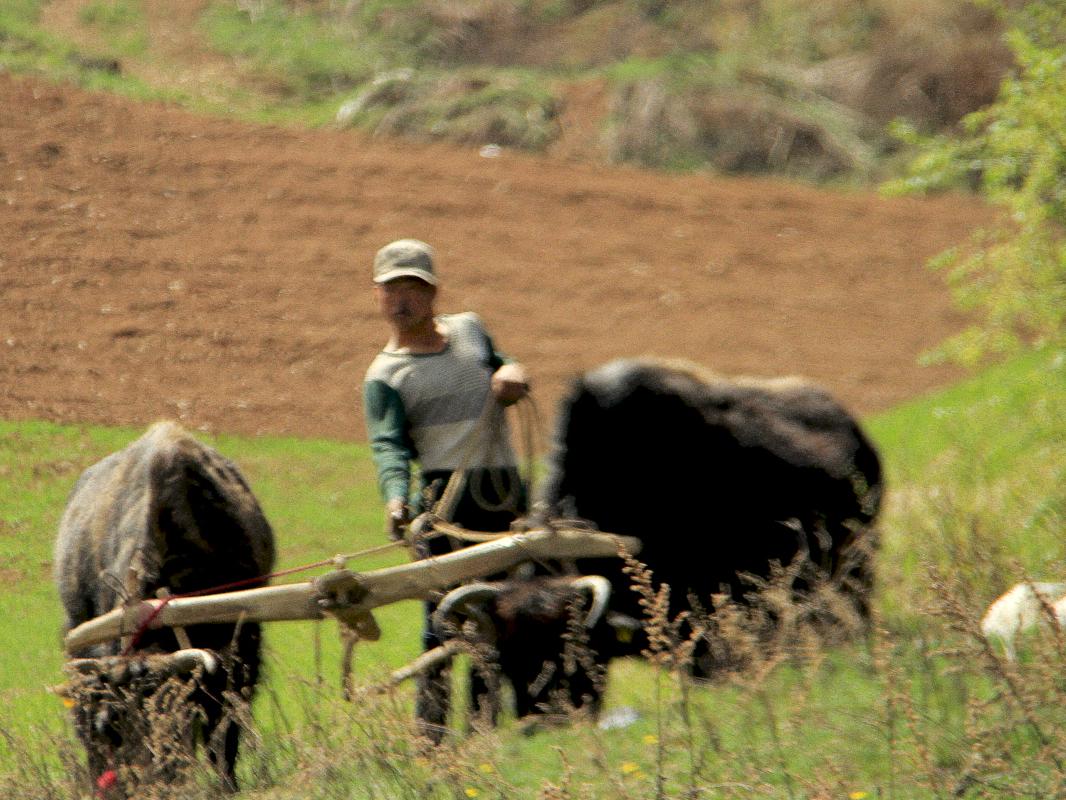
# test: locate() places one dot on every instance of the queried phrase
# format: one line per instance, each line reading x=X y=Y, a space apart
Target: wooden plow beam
x=347 y=595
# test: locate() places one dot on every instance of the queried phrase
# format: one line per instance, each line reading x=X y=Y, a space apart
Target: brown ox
x=165 y=513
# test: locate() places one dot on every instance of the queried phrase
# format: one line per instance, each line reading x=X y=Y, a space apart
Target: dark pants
x=490 y=501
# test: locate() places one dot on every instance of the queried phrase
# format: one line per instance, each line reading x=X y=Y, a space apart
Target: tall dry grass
x=808 y=699
x=941 y=714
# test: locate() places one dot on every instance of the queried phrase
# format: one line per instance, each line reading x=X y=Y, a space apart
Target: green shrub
x=1013 y=277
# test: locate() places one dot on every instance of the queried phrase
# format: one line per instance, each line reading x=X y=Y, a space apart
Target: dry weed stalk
x=1013 y=736
x=577 y=652
x=742 y=643
x=567 y=787
x=33 y=777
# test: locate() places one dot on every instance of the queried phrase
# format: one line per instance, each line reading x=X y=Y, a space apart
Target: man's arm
x=386 y=427
x=510 y=382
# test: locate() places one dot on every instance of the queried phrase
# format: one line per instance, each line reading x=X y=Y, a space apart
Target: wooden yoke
x=363 y=591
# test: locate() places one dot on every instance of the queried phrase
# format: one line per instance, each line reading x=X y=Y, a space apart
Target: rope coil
x=487 y=438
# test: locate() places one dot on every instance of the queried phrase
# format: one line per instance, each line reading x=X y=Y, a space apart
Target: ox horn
x=176 y=663
x=84 y=666
x=470 y=599
x=189 y=659
x=600 y=589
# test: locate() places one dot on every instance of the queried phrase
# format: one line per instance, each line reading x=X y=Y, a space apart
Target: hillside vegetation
x=737 y=86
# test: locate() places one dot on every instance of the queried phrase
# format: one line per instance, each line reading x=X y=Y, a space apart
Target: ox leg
x=221 y=736
x=856 y=573
x=233 y=684
x=98 y=757
x=432 y=702
x=223 y=754
x=484 y=695
x=433 y=689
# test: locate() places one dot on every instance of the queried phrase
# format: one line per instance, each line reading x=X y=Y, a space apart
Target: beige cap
x=404 y=258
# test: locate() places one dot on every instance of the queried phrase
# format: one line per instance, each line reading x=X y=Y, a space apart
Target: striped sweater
x=426 y=407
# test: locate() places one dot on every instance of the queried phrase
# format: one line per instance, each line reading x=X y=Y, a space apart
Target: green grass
x=26 y=47
x=976 y=473
x=121 y=22
x=1001 y=420
x=304 y=55
x=977 y=498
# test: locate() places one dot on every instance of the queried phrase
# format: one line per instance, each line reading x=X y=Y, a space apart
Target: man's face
x=406 y=302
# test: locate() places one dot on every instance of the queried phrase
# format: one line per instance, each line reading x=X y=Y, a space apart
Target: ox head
x=124 y=708
x=543 y=650
x=490 y=605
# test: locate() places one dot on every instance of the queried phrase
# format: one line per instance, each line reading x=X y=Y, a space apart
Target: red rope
x=146 y=625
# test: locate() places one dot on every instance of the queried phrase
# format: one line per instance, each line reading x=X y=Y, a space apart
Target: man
x=435 y=395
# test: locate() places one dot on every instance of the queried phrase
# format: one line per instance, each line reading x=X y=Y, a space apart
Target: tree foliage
x=1014 y=153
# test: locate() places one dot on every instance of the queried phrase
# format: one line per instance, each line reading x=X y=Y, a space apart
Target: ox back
x=166 y=512
x=716 y=476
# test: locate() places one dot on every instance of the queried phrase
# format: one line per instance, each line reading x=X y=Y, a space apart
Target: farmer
x=435 y=395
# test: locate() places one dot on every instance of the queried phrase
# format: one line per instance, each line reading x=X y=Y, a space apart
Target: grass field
x=977 y=500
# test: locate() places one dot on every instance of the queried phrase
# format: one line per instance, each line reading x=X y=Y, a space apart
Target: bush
x=1014 y=154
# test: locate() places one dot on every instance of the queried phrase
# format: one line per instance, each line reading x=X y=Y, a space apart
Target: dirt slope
x=154 y=263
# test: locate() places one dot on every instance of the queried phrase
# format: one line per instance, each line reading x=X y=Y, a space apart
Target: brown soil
x=159 y=264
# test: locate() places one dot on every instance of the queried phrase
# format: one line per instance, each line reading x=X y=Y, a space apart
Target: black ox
x=556 y=620
x=722 y=479
x=165 y=513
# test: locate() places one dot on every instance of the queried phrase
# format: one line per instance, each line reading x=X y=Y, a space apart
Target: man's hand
x=510 y=384
x=396 y=518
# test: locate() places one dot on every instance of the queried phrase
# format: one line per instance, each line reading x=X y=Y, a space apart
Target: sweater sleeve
x=390 y=444
x=496 y=359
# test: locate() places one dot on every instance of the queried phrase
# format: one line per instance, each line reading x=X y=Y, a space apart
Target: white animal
x=1022 y=608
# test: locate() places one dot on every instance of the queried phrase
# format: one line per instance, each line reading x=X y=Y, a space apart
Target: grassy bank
x=922 y=709
x=771 y=87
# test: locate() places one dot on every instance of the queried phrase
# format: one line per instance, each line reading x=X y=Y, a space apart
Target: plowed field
x=155 y=263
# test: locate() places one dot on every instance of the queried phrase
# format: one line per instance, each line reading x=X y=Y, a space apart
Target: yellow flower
x=860 y=795
x=485 y=768
x=472 y=792
x=650 y=738
x=68 y=703
x=629 y=767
